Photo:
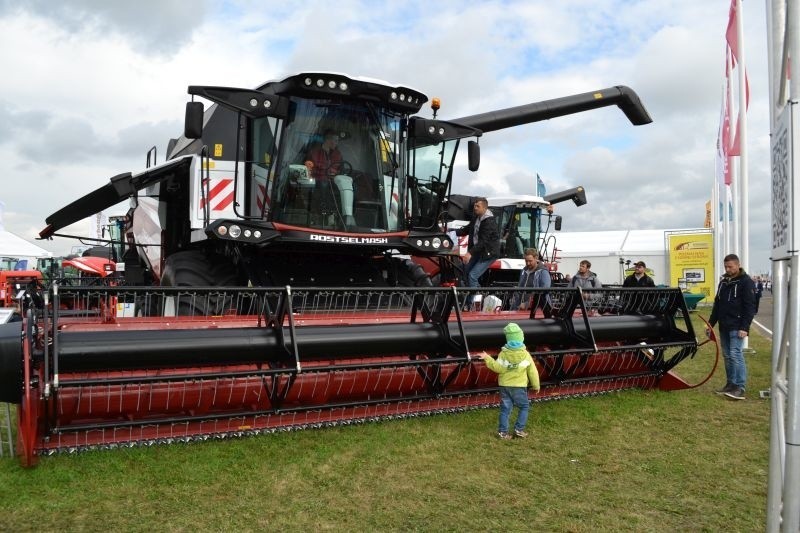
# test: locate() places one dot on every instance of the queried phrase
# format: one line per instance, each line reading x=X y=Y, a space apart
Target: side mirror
x=193 y=123
x=558 y=223
x=474 y=155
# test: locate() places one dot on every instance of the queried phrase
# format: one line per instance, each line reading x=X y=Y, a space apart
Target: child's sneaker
x=520 y=434
x=503 y=435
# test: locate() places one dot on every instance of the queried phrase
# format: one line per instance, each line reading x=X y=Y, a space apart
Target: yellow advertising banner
x=691 y=263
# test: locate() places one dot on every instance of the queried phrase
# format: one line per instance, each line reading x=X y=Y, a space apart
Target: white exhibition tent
x=605 y=249
x=16 y=247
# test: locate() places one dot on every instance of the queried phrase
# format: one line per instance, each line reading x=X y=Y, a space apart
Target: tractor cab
x=523 y=222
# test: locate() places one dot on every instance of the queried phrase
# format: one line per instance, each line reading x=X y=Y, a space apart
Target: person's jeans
x=513 y=397
x=475 y=269
x=735 y=367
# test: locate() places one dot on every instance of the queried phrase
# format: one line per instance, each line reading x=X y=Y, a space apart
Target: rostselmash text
x=348 y=240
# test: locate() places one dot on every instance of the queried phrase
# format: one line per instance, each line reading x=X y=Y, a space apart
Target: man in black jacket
x=734 y=309
x=639 y=278
x=483 y=245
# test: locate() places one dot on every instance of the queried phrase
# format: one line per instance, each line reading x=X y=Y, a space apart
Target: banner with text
x=691 y=263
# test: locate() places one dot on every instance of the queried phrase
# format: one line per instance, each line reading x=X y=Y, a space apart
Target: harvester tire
x=193 y=268
x=11 y=363
x=410 y=274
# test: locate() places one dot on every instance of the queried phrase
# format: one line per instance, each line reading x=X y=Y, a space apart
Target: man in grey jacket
x=585 y=278
x=536 y=275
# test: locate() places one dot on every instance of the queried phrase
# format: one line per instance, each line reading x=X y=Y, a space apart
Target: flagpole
x=744 y=224
x=744 y=212
x=726 y=221
x=734 y=186
x=726 y=183
x=715 y=223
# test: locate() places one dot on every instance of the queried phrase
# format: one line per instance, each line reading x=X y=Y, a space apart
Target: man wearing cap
x=639 y=278
x=517 y=372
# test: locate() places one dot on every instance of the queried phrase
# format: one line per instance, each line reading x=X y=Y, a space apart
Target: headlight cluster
x=431 y=244
x=402 y=97
x=397 y=97
x=254 y=103
x=236 y=232
x=322 y=83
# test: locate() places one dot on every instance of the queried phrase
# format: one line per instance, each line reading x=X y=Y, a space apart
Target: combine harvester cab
x=269 y=298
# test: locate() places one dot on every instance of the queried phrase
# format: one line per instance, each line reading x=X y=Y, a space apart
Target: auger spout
x=623 y=97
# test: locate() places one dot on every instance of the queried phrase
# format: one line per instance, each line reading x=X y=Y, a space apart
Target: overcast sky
x=88 y=86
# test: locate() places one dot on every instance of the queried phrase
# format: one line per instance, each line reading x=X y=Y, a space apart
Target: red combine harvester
x=275 y=286
x=14 y=281
x=90 y=267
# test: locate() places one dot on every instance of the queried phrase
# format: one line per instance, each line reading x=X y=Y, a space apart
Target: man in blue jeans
x=483 y=246
x=734 y=309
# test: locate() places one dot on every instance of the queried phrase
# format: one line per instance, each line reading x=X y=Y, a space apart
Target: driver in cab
x=325 y=160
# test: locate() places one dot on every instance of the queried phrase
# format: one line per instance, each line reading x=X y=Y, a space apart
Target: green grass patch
x=636 y=460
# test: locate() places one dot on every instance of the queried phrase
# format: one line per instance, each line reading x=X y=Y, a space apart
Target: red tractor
x=14 y=283
x=270 y=264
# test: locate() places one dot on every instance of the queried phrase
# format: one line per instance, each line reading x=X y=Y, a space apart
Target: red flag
x=732 y=38
x=727 y=149
x=731 y=34
x=731 y=148
x=723 y=140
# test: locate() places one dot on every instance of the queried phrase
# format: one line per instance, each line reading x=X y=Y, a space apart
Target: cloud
x=158 y=27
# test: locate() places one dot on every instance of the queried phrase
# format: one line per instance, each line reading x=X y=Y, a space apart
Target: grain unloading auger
x=269 y=359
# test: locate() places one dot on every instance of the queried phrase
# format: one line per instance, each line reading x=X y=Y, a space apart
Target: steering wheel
x=344 y=168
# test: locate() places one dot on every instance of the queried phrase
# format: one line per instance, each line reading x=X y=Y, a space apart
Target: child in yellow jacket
x=517 y=372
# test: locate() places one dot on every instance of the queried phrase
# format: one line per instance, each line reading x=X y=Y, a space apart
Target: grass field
x=637 y=460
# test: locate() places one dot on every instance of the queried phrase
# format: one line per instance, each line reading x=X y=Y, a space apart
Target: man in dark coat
x=759 y=292
x=483 y=246
x=639 y=278
x=734 y=309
